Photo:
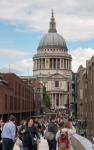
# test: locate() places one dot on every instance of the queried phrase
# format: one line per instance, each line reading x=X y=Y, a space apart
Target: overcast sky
x=24 y=22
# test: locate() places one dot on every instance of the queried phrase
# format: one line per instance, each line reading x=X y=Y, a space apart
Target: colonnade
x=52 y=63
x=58 y=99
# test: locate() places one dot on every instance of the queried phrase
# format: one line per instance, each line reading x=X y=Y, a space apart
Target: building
x=73 y=94
x=38 y=92
x=16 y=98
x=85 y=96
x=52 y=65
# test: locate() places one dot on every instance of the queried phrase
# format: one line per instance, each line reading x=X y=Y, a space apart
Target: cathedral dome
x=52 y=39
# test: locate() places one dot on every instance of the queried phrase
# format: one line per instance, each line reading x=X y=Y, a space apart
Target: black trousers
x=42 y=132
x=0 y=146
x=52 y=144
x=7 y=144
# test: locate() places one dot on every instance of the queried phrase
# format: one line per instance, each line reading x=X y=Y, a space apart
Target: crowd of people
x=28 y=134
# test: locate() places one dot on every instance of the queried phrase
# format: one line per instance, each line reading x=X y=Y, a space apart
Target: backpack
x=63 y=141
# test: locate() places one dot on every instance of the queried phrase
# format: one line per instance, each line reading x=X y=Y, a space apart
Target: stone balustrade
x=81 y=143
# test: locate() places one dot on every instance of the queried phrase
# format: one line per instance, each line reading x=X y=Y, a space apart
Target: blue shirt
x=9 y=131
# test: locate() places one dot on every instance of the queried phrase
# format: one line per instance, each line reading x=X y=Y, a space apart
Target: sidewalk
x=42 y=146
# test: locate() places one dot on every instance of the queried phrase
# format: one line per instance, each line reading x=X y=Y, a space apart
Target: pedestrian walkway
x=42 y=146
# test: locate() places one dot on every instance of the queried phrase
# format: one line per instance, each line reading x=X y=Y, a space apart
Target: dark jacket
x=43 y=127
x=37 y=125
x=0 y=140
x=52 y=127
x=27 y=139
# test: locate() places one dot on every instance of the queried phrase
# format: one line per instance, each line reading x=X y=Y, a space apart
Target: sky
x=24 y=22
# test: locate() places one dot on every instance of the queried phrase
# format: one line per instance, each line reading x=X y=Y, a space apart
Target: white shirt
x=70 y=131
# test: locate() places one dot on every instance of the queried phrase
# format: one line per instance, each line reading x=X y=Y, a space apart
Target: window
x=56 y=83
x=15 y=88
x=5 y=102
x=15 y=103
x=11 y=103
x=19 y=104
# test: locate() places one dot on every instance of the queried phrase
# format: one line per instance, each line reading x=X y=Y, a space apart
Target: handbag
x=49 y=135
x=18 y=142
x=33 y=140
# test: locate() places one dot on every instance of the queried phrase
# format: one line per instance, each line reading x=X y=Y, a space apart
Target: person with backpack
x=52 y=129
x=63 y=136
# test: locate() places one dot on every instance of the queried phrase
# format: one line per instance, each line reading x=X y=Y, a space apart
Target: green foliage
x=46 y=98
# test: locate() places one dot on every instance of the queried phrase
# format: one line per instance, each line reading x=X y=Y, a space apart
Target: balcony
x=80 y=143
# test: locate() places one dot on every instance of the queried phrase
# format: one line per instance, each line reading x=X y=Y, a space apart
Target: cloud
x=75 y=19
x=79 y=57
x=19 y=68
x=9 y=55
x=15 y=61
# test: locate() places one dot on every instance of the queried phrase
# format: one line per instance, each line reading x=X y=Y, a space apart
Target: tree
x=46 y=98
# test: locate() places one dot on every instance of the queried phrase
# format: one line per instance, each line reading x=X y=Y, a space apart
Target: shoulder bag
x=49 y=135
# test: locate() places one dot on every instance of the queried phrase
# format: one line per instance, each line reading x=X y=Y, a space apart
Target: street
x=42 y=146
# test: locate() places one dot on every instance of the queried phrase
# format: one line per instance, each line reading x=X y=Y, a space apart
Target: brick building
x=16 y=97
x=38 y=92
x=85 y=96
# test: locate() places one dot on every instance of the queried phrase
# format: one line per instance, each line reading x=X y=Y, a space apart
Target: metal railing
x=81 y=143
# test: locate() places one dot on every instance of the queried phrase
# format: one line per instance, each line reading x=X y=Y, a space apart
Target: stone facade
x=52 y=65
x=85 y=95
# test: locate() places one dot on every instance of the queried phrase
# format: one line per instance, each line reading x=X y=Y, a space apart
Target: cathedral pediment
x=57 y=76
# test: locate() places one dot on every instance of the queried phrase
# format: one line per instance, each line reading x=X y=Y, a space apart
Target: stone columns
x=55 y=100
x=70 y=65
x=41 y=63
x=52 y=63
x=62 y=98
x=60 y=63
x=59 y=100
x=56 y=63
x=52 y=99
x=66 y=64
x=36 y=63
x=49 y=63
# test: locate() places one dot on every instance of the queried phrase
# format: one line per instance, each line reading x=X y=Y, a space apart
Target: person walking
x=20 y=136
x=8 y=134
x=68 y=128
x=43 y=128
x=1 y=127
x=52 y=127
x=29 y=132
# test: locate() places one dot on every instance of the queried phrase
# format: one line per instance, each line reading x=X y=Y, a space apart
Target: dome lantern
x=52 y=24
